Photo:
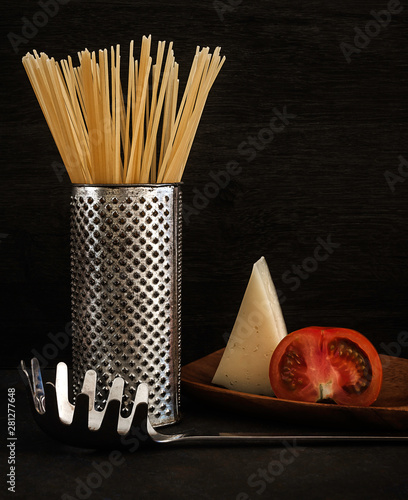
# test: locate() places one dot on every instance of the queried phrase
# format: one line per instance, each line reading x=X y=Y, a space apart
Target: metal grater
x=126 y=292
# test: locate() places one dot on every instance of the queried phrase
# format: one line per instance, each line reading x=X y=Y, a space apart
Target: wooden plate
x=390 y=411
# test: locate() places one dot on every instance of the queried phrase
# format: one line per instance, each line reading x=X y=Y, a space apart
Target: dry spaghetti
x=104 y=140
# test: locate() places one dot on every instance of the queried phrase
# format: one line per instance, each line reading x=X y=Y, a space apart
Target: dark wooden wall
x=335 y=171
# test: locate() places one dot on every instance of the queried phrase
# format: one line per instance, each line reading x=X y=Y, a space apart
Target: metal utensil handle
x=288 y=440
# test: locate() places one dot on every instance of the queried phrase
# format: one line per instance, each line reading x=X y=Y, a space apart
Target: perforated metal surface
x=126 y=291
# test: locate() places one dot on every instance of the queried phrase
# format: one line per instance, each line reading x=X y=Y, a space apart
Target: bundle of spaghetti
x=107 y=137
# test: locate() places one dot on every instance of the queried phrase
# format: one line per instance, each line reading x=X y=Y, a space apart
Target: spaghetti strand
x=106 y=136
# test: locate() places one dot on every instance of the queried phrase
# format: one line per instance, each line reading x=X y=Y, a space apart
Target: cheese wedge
x=258 y=329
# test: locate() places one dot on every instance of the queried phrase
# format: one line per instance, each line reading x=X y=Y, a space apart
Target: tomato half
x=316 y=364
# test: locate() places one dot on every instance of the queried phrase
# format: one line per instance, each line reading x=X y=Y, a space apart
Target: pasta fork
x=84 y=426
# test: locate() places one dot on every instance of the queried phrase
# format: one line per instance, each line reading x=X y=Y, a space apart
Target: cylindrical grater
x=126 y=291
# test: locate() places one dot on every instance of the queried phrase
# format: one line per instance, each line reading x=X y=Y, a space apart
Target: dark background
x=323 y=176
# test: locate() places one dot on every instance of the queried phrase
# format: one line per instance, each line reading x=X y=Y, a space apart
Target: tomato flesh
x=317 y=364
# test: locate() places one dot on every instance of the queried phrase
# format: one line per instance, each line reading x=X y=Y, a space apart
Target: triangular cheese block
x=258 y=329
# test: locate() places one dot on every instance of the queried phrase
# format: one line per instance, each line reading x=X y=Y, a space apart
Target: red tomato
x=314 y=364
